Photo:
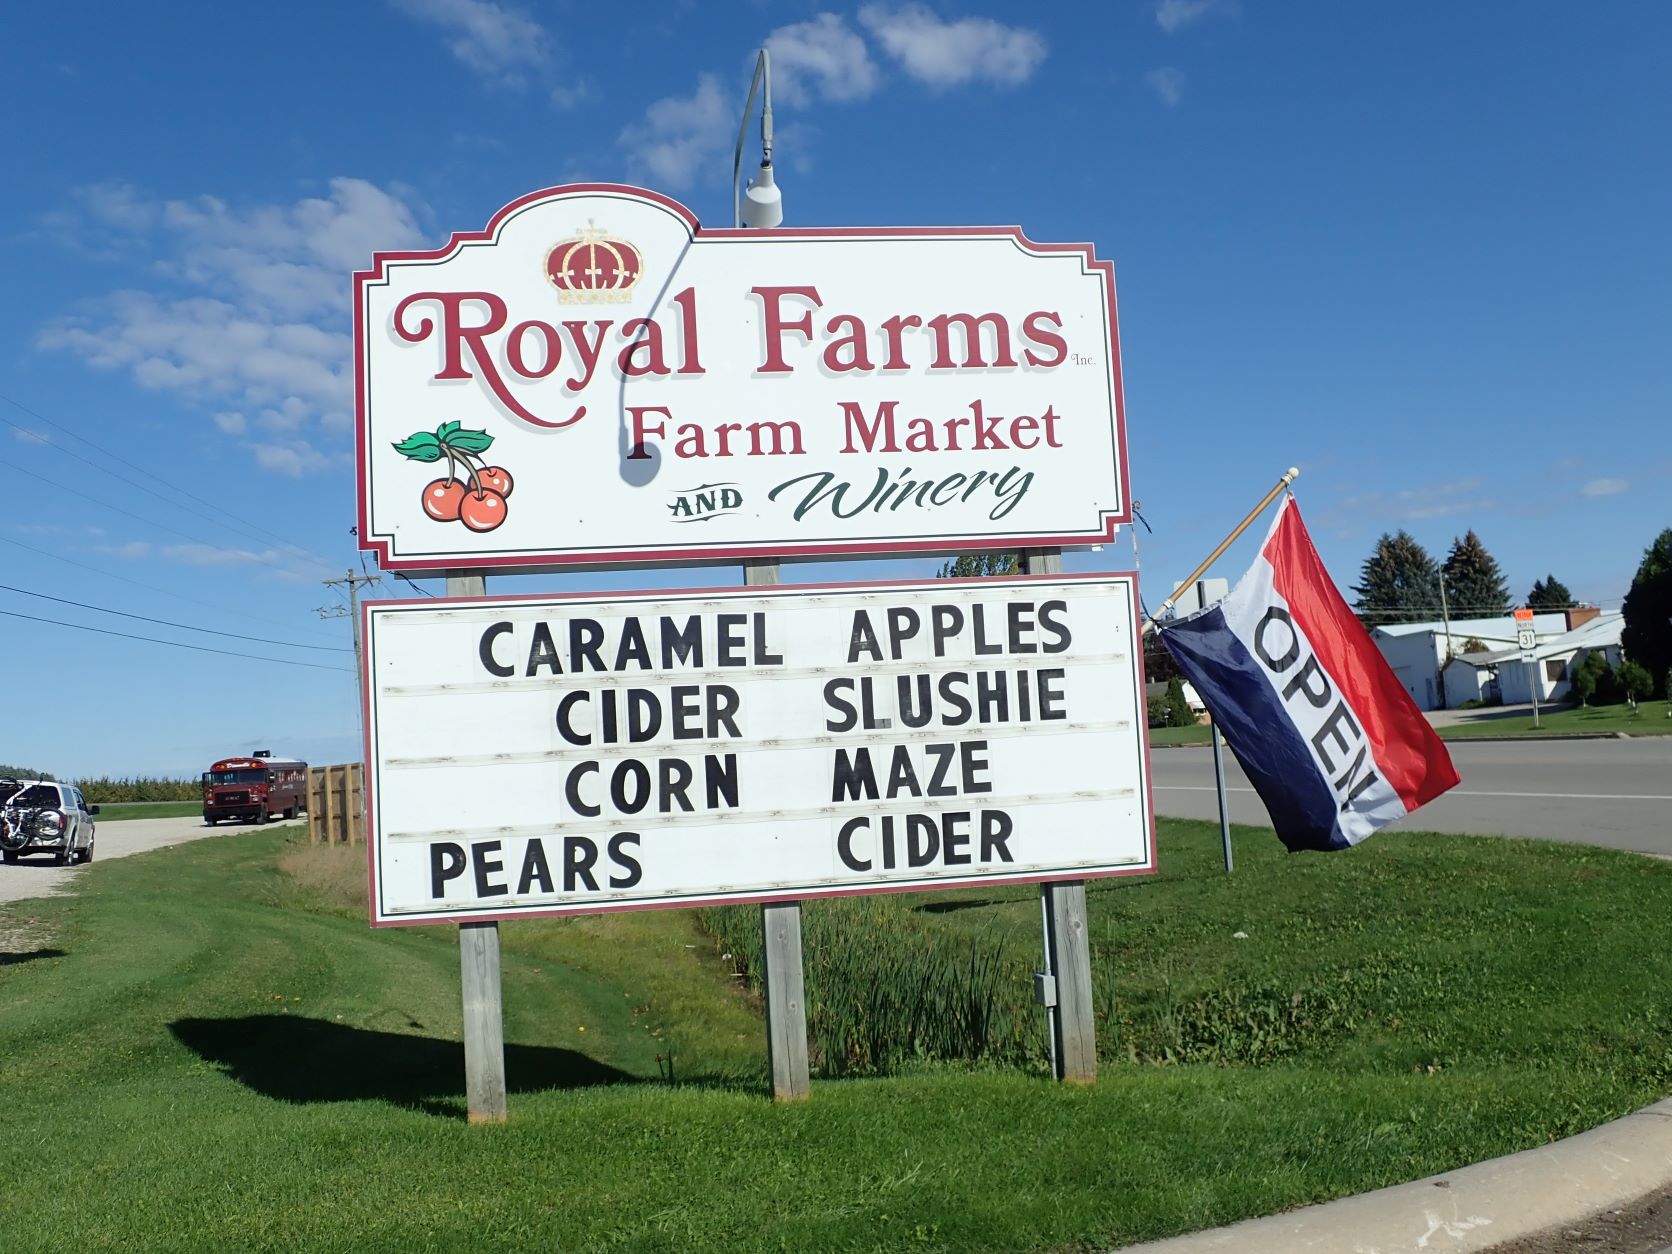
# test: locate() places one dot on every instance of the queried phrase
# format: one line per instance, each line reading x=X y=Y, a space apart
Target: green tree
x=1549 y=594
x=1179 y=713
x=1158 y=663
x=1474 y=585
x=981 y=565
x=25 y=772
x=1399 y=583
x=1582 y=681
x=1647 y=635
x=1635 y=681
x=1608 y=683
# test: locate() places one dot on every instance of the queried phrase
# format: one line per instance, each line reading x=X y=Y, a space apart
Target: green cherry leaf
x=420 y=446
x=446 y=429
x=471 y=441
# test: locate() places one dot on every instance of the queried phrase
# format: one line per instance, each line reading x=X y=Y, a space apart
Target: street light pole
x=764 y=205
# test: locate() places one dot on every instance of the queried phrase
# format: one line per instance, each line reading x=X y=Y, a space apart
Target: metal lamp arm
x=763 y=77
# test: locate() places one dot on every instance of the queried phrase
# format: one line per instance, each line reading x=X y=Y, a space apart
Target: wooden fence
x=336 y=805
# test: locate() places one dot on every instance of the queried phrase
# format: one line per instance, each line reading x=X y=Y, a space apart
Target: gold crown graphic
x=591 y=268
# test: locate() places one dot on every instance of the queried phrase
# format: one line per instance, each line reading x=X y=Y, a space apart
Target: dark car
x=39 y=816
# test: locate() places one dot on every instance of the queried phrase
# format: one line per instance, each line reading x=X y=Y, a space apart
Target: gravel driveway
x=35 y=876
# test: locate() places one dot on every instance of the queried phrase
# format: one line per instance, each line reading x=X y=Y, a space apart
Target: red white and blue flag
x=1323 y=728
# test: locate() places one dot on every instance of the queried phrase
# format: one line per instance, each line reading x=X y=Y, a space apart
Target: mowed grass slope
x=204 y=1051
x=1650 y=718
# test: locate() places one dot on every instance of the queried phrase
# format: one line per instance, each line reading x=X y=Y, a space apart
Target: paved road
x=35 y=876
x=1614 y=793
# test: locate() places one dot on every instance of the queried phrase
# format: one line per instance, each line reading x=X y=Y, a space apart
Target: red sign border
x=641 y=557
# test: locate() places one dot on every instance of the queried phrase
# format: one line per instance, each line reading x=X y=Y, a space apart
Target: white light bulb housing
x=763 y=203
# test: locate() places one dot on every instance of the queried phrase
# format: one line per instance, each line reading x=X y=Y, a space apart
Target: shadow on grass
x=293 y=1059
x=952 y=907
x=12 y=960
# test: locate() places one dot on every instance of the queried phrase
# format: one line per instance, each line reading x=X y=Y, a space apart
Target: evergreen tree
x=1179 y=713
x=1583 y=679
x=980 y=565
x=1474 y=585
x=1549 y=594
x=1647 y=635
x=1399 y=583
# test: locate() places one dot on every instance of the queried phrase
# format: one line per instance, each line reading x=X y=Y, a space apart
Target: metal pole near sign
x=1526 y=635
x=1218 y=757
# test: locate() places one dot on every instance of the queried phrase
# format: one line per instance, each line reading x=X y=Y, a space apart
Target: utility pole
x=1445 y=617
x=352 y=612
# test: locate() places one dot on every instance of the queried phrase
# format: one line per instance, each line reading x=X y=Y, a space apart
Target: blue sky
x=1419 y=250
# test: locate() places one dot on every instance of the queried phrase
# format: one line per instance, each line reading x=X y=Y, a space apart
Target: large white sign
x=594 y=379
x=535 y=755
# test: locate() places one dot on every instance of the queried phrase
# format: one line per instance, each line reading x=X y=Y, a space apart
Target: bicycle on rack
x=41 y=815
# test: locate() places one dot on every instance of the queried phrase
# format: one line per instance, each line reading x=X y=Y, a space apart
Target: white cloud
x=492 y=39
x=569 y=96
x=947 y=54
x=1434 y=500
x=679 y=135
x=256 y=322
x=133 y=550
x=1167 y=83
x=295 y=458
x=821 y=58
x=1173 y=16
x=1604 y=487
x=288 y=565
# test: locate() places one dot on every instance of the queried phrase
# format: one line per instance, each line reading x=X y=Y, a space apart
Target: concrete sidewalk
x=1470 y=1209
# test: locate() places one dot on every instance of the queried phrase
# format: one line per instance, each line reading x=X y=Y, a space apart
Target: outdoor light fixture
x=762 y=204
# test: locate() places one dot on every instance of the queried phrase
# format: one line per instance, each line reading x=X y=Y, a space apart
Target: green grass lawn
x=117 y=811
x=1191 y=734
x=1649 y=719
x=208 y=1049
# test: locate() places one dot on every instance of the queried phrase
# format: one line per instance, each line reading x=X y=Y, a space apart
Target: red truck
x=254 y=788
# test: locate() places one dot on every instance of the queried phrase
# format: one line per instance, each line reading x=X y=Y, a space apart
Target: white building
x=1418 y=651
x=1503 y=675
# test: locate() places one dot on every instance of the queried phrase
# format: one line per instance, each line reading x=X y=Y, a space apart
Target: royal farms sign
x=595 y=379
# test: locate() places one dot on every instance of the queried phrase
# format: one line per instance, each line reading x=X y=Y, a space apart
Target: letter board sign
x=554 y=755
x=594 y=379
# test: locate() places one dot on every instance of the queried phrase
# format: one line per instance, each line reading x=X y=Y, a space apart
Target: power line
x=138 y=583
x=405 y=578
x=163 y=622
x=176 y=644
x=252 y=529
x=1484 y=611
x=149 y=522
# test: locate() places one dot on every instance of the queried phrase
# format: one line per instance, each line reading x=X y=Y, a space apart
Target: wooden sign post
x=1067 y=951
x=479 y=982
x=786 y=997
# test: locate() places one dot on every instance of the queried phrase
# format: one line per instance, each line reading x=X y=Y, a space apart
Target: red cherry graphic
x=442 y=498
x=482 y=513
x=495 y=479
